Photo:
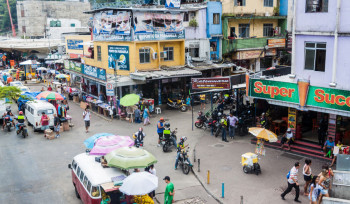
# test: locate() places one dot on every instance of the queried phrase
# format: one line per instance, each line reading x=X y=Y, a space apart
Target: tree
x=9 y=92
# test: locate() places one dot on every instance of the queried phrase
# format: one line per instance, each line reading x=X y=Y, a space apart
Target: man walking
x=293 y=182
x=169 y=191
x=223 y=122
x=86 y=117
x=160 y=129
x=57 y=125
x=232 y=124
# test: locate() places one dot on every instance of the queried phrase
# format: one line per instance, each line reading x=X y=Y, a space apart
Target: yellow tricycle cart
x=250 y=163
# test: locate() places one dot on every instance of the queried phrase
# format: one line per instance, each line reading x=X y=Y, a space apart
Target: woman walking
x=307 y=175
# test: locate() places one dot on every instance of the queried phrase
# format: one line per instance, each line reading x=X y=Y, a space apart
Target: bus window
x=78 y=171
x=85 y=182
x=74 y=165
x=81 y=176
x=95 y=192
x=88 y=187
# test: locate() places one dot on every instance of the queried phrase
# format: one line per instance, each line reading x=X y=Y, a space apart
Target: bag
x=288 y=175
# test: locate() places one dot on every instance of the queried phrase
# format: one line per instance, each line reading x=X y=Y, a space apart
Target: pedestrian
x=146 y=116
x=202 y=99
x=322 y=130
x=325 y=181
x=169 y=191
x=4 y=77
x=188 y=102
x=232 y=125
x=86 y=117
x=153 y=171
x=293 y=183
x=137 y=114
x=57 y=125
x=9 y=79
x=307 y=175
x=42 y=89
x=315 y=190
x=287 y=138
x=160 y=129
x=49 y=88
x=223 y=122
x=329 y=147
x=44 y=121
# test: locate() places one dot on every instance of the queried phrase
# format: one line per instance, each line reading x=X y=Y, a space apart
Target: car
x=34 y=110
x=16 y=83
x=23 y=89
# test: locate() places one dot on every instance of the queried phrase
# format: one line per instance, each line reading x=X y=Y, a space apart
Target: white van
x=33 y=113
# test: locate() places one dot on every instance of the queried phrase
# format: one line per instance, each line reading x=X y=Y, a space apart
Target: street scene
x=191 y=102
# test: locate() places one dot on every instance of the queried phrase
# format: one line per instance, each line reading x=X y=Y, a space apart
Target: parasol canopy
x=139 y=183
x=41 y=69
x=62 y=76
x=49 y=95
x=129 y=100
x=262 y=133
x=105 y=145
x=130 y=158
x=90 y=142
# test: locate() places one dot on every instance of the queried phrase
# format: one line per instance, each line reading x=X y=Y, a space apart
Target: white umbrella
x=41 y=69
x=139 y=183
x=29 y=62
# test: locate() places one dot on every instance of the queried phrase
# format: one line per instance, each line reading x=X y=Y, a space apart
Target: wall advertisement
x=300 y=93
x=172 y=3
x=95 y=72
x=75 y=44
x=211 y=83
x=120 y=53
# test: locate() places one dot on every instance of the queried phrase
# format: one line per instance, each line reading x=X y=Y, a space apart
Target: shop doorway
x=308 y=124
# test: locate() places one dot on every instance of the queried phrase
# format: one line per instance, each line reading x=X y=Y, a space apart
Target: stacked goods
x=145 y=199
x=65 y=126
x=49 y=134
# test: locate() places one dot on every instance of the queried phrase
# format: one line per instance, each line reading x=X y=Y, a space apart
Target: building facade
x=214 y=29
x=253 y=32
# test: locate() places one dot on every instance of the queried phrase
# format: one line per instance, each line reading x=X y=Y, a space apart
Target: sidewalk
x=223 y=161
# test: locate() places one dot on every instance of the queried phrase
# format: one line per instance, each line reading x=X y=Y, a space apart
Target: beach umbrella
x=90 y=142
x=41 y=69
x=139 y=183
x=130 y=158
x=129 y=100
x=105 y=145
x=262 y=133
x=61 y=76
x=49 y=95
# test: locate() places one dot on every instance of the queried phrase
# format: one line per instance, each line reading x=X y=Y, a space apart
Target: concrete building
x=214 y=29
x=38 y=19
x=253 y=31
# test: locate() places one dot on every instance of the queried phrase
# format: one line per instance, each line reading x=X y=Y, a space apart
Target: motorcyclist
x=167 y=133
x=21 y=119
x=7 y=114
x=139 y=136
x=181 y=147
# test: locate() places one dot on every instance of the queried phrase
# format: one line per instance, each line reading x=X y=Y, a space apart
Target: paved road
x=34 y=170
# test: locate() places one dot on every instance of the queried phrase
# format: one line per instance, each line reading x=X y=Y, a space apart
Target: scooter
x=22 y=129
x=8 y=123
x=178 y=104
x=169 y=142
x=183 y=161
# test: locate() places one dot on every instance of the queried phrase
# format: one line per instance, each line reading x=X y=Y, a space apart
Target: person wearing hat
x=169 y=191
x=160 y=129
x=287 y=138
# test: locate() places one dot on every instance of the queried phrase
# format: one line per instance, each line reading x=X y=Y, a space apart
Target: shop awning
x=164 y=74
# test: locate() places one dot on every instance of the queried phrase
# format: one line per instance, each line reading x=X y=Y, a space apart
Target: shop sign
x=276 y=42
x=95 y=72
x=160 y=36
x=252 y=54
x=300 y=93
x=75 y=66
x=75 y=44
x=109 y=89
x=120 y=54
x=292 y=119
x=271 y=52
x=211 y=83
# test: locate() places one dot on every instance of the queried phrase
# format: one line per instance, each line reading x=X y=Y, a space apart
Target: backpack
x=288 y=175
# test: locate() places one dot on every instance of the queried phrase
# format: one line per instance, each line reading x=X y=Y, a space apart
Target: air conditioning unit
x=163 y=54
x=155 y=55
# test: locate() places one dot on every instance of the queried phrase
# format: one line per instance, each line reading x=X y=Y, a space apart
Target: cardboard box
x=83 y=105
x=76 y=99
x=61 y=129
x=66 y=126
x=49 y=134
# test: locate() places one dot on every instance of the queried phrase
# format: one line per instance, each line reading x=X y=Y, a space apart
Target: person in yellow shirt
x=202 y=99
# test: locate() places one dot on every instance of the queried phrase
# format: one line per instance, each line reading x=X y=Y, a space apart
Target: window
x=85 y=182
x=144 y=55
x=244 y=30
x=99 y=57
x=194 y=52
x=239 y=2
x=186 y=17
x=315 y=56
x=216 y=18
x=268 y=3
x=233 y=32
x=88 y=187
x=95 y=192
x=72 y=25
x=316 y=6
x=268 y=30
x=23 y=29
x=213 y=46
x=81 y=176
x=78 y=171
x=170 y=53
x=74 y=165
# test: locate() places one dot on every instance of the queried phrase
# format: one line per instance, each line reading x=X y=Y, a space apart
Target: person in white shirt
x=293 y=183
x=153 y=171
x=86 y=117
x=287 y=138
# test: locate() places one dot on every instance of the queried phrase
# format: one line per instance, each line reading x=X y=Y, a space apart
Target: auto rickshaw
x=250 y=163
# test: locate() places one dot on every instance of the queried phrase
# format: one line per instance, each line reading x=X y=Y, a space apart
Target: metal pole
x=223 y=190
x=208 y=176
x=199 y=165
x=211 y=101
x=192 y=111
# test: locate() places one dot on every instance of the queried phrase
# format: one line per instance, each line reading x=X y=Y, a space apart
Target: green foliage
x=10 y=92
x=276 y=11
x=193 y=23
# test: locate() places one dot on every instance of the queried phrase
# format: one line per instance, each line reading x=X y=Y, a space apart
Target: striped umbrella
x=50 y=95
x=61 y=76
x=105 y=145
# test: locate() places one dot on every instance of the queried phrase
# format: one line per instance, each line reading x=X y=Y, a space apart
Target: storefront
x=304 y=108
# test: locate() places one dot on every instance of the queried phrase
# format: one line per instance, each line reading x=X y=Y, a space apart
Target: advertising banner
x=276 y=42
x=292 y=119
x=252 y=54
x=109 y=25
x=120 y=53
x=300 y=93
x=75 y=44
x=211 y=83
x=172 y=3
x=95 y=72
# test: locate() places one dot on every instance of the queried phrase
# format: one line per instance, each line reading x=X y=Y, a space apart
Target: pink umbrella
x=104 y=145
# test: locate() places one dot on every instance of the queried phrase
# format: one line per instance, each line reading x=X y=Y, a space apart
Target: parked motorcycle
x=183 y=161
x=8 y=123
x=169 y=142
x=22 y=129
x=178 y=104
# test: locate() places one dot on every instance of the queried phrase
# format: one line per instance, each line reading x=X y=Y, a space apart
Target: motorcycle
x=178 y=104
x=137 y=142
x=8 y=123
x=201 y=119
x=22 y=129
x=183 y=161
x=169 y=142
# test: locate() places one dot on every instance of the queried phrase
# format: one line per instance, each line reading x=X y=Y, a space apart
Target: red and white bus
x=90 y=179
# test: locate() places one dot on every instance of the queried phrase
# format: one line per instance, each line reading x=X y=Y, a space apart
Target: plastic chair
x=158 y=110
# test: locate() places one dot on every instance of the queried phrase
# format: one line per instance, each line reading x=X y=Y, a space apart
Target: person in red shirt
x=49 y=88
x=45 y=120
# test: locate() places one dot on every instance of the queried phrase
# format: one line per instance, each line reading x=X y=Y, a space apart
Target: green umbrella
x=130 y=158
x=129 y=100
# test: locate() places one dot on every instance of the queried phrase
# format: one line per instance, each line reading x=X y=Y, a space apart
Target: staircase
x=300 y=147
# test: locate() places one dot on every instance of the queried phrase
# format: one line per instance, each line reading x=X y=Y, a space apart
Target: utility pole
x=13 y=27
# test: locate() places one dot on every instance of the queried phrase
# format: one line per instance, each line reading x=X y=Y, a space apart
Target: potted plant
x=193 y=23
x=276 y=11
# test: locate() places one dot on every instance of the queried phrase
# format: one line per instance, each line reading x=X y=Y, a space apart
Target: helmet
x=219 y=114
x=161 y=119
x=21 y=113
x=140 y=129
x=183 y=139
x=167 y=125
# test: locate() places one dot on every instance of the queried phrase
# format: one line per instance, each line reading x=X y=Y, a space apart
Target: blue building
x=214 y=28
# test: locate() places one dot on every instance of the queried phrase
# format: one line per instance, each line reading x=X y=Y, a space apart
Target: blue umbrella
x=90 y=142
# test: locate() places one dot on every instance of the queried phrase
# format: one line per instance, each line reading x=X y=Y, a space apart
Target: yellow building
x=77 y=45
x=256 y=7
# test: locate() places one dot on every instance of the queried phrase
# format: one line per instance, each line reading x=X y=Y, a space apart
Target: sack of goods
x=49 y=134
x=145 y=199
